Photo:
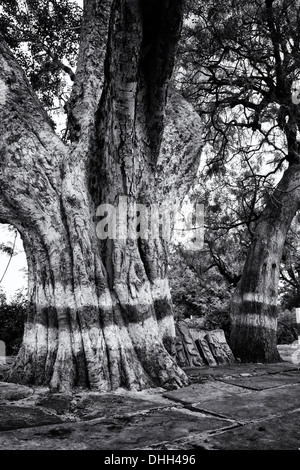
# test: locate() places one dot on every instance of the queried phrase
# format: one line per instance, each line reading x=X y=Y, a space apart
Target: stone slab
x=59 y=403
x=254 y=405
x=293 y=373
x=14 y=392
x=126 y=432
x=209 y=390
x=237 y=369
x=17 y=417
x=92 y=406
x=186 y=351
x=280 y=433
x=205 y=352
x=262 y=382
x=219 y=347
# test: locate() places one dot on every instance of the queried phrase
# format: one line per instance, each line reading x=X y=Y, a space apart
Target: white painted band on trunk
x=115 y=336
x=160 y=289
x=63 y=297
x=253 y=319
x=133 y=294
x=166 y=327
x=257 y=297
x=135 y=335
x=84 y=296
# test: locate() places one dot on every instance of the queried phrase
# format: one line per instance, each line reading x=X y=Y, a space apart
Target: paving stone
x=59 y=403
x=107 y=405
x=16 y=417
x=127 y=432
x=280 y=433
x=197 y=393
x=215 y=412
x=254 y=405
x=237 y=369
x=13 y=392
x=263 y=382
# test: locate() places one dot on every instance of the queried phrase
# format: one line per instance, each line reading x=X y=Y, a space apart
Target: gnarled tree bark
x=100 y=310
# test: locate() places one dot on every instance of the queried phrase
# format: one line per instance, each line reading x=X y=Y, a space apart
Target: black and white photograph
x=149 y=229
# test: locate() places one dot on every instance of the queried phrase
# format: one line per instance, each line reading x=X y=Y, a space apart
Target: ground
x=239 y=406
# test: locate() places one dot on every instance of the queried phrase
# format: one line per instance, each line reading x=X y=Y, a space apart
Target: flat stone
x=279 y=367
x=263 y=382
x=278 y=433
x=126 y=432
x=238 y=369
x=108 y=405
x=197 y=393
x=13 y=392
x=59 y=403
x=255 y=405
x=16 y=417
x=293 y=373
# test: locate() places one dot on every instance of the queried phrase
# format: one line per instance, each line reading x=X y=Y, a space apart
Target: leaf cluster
x=12 y=319
x=237 y=64
x=44 y=35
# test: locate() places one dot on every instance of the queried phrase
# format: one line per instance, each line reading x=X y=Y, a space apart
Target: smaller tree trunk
x=254 y=306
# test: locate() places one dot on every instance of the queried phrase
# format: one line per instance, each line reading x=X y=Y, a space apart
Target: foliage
x=198 y=289
x=287 y=327
x=237 y=64
x=12 y=318
x=2 y=297
x=203 y=281
x=44 y=36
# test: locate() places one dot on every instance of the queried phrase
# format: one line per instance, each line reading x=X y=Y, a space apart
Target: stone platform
x=229 y=407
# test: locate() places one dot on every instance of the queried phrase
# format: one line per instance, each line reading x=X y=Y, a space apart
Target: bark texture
x=254 y=306
x=100 y=310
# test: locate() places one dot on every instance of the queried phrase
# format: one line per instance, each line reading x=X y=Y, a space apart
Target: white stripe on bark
x=258 y=297
x=255 y=320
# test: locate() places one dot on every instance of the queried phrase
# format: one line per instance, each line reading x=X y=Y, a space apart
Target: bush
x=287 y=327
x=12 y=319
x=202 y=294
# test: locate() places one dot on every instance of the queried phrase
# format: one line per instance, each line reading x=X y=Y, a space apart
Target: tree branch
x=138 y=66
x=89 y=75
x=28 y=146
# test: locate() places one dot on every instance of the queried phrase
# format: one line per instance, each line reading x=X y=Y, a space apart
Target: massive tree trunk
x=254 y=305
x=100 y=310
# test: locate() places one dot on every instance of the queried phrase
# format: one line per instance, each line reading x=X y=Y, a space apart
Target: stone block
x=219 y=347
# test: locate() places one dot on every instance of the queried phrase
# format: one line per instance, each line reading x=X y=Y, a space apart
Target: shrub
x=12 y=319
x=287 y=327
